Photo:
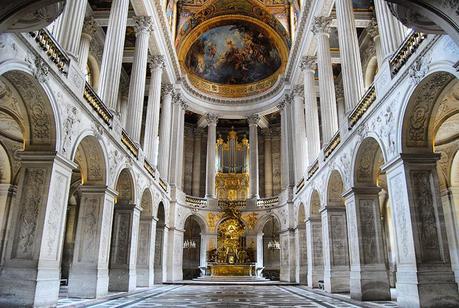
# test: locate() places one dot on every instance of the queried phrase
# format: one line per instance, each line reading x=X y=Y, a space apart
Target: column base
x=432 y=287
x=336 y=280
x=88 y=282
x=314 y=277
x=122 y=280
x=369 y=285
x=145 y=277
x=21 y=287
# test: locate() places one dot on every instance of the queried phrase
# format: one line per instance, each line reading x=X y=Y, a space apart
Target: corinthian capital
x=372 y=28
x=143 y=24
x=211 y=119
x=254 y=119
x=308 y=63
x=322 y=25
x=89 y=26
x=167 y=89
x=298 y=90
x=156 y=62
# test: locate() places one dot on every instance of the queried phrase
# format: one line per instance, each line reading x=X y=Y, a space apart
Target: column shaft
x=150 y=142
x=68 y=32
x=211 y=149
x=165 y=128
x=138 y=76
x=350 y=54
x=326 y=84
x=113 y=53
x=268 y=164
x=89 y=28
x=253 y=147
x=300 y=130
x=196 y=184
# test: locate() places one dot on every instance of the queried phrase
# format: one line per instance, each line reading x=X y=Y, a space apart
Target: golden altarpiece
x=232 y=257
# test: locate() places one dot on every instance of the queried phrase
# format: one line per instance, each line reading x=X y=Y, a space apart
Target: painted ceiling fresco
x=233 y=54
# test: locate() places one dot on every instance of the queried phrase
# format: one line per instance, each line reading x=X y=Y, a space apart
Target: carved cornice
x=211 y=118
x=322 y=25
x=142 y=24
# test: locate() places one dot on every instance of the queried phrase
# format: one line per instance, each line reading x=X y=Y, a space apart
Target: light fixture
x=189 y=244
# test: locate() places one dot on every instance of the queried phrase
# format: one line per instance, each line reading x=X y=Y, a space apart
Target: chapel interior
x=229 y=153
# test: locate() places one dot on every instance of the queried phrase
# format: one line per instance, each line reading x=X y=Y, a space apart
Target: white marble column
x=287 y=164
x=196 y=182
x=268 y=163
x=176 y=145
x=70 y=24
x=212 y=120
x=150 y=143
x=123 y=252
x=423 y=263
x=112 y=57
x=321 y=29
x=180 y=145
x=89 y=28
x=373 y=31
x=253 y=150
x=300 y=130
x=30 y=275
x=165 y=130
x=351 y=65
x=312 y=115
x=89 y=271
x=143 y=27
x=392 y=32
x=146 y=251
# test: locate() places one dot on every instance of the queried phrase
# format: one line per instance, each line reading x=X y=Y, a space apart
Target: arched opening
x=84 y=207
x=371 y=71
x=334 y=236
x=191 y=249
x=314 y=242
x=271 y=249
x=428 y=136
x=5 y=194
x=159 y=244
x=122 y=268
x=302 y=248
x=146 y=248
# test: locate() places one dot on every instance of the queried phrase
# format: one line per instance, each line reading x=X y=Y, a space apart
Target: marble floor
x=224 y=296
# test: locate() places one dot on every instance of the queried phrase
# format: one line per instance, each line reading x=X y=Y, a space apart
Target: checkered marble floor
x=230 y=297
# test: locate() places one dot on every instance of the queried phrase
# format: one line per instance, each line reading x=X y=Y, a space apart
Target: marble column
x=302 y=253
x=424 y=274
x=89 y=29
x=70 y=24
x=146 y=251
x=123 y=252
x=112 y=57
x=335 y=249
x=165 y=130
x=312 y=115
x=288 y=240
x=180 y=145
x=30 y=273
x=373 y=31
x=89 y=271
x=175 y=253
x=300 y=131
x=351 y=65
x=212 y=120
x=143 y=27
x=321 y=29
x=196 y=182
x=150 y=143
x=253 y=150
x=392 y=32
x=369 y=275
x=160 y=253
x=314 y=251
x=287 y=165
x=176 y=145
x=268 y=163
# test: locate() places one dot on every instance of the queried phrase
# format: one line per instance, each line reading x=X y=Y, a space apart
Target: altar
x=225 y=269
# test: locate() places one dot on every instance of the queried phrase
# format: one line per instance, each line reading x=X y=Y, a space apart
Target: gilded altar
x=219 y=269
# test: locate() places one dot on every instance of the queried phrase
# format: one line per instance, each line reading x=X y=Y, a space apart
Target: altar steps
x=231 y=280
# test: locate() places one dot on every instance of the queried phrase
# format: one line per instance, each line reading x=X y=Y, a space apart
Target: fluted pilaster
x=150 y=142
x=328 y=110
x=112 y=57
x=350 y=54
x=70 y=24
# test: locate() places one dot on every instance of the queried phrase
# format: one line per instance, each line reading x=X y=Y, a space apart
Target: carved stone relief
x=368 y=224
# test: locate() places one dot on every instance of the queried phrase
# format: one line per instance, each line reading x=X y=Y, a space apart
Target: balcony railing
x=313 y=169
x=196 y=202
x=163 y=185
x=54 y=52
x=406 y=50
x=300 y=184
x=127 y=141
x=332 y=145
x=268 y=202
x=231 y=203
x=149 y=168
x=367 y=100
x=96 y=103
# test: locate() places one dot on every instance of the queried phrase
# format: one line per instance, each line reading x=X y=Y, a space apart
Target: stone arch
x=371 y=71
x=193 y=250
x=90 y=156
x=6 y=170
x=302 y=247
x=95 y=71
x=26 y=105
x=367 y=162
x=422 y=108
x=335 y=189
x=125 y=186
x=314 y=240
x=160 y=259
x=146 y=202
x=199 y=219
x=314 y=204
x=271 y=256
